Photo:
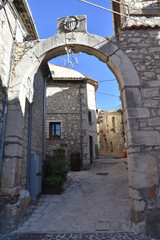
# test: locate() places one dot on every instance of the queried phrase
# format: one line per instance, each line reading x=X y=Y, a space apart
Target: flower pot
x=54 y=188
x=75 y=162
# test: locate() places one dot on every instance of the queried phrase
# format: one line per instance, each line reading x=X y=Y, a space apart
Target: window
x=89 y=116
x=113 y=122
x=111 y=146
x=54 y=129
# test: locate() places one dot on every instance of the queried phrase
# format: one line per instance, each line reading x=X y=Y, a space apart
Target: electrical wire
x=108 y=94
x=84 y=104
x=107 y=80
x=110 y=108
x=112 y=11
x=9 y=24
x=3 y=5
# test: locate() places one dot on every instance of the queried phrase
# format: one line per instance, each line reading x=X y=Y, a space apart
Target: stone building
x=16 y=28
x=132 y=55
x=71 y=113
x=110 y=133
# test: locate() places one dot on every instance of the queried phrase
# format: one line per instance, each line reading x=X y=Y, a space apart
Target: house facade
x=110 y=133
x=71 y=113
x=17 y=28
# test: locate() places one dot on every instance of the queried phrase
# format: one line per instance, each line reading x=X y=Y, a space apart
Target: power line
x=109 y=108
x=112 y=95
x=107 y=80
x=112 y=11
x=4 y=3
x=108 y=94
x=114 y=108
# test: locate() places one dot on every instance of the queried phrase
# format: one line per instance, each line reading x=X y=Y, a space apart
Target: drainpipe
x=44 y=119
x=29 y=145
x=81 y=149
x=6 y=100
x=30 y=134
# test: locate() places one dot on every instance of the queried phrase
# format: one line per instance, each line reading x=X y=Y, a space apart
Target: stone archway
x=141 y=174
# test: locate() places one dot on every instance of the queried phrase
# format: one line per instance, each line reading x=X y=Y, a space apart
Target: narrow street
x=93 y=200
x=94 y=205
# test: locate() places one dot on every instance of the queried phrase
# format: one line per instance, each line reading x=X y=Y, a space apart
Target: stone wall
x=37 y=114
x=23 y=170
x=14 y=199
x=134 y=59
x=33 y=111
x=2 y=104
x=145 y=12
x=111 y=133
x=7 y=24
x=143 y=122
x=63 y=105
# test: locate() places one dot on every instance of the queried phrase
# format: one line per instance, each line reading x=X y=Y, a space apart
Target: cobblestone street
x=76 y=236
x=94 y=200
x=94 y=205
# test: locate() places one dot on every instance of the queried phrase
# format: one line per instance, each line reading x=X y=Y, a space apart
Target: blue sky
x=99 y=22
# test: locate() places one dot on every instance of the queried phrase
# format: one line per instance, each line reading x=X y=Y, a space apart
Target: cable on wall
x=4 y=3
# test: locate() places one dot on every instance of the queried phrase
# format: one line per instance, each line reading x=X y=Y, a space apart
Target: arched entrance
x=36 y=53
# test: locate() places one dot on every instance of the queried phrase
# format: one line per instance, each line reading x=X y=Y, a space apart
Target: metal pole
x=44 y=119
x=29 y=145
x=95 y=5
x=81 y=150
x=121 y=14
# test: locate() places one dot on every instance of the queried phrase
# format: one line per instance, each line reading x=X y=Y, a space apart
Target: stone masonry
x=111 y=133
x=14 y=200
x=133 y=56
x=67 y=102
x=138 y=37
x=142 y=47
x=65 y=110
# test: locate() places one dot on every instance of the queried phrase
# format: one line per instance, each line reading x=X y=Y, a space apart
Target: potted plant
x=55 y=175
x=59 y=153
x=75 y=161
x=55 y=136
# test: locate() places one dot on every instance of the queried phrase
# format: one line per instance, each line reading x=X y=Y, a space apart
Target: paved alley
x=94 y=200
x=94 y=206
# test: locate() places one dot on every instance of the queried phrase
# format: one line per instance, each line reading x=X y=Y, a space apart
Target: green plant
x=53 y=179
x=54 y=172
x=75 y=152
x=60 y=170
x=48 y=166
x=55 y=136
x=61 y=150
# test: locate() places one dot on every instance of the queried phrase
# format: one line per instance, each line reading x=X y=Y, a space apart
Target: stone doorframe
x=141 y=174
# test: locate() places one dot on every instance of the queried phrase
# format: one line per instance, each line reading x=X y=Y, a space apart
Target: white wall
x=91 y=99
